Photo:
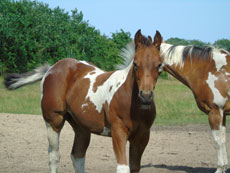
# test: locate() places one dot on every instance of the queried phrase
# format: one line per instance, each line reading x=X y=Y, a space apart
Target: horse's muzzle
x=146 y=99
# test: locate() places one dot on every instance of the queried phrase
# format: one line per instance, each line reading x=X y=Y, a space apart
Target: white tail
x=13 y=81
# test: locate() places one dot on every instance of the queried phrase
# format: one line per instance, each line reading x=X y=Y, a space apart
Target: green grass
x=25 y=100
x=174 y=102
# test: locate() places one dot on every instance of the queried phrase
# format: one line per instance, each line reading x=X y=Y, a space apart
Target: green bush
x=31 y=34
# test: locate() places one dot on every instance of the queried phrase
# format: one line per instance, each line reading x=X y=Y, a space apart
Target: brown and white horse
x=116 y=103
x=206 y=71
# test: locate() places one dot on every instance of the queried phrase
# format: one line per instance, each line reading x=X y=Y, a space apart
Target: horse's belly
x=88 y=117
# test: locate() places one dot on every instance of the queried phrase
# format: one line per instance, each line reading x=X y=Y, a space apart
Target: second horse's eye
x=159 y=66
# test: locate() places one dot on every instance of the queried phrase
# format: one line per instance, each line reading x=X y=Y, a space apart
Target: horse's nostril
x=151 y=94
x=146 y=98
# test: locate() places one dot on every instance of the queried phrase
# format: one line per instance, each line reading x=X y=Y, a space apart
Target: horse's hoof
x=221 y=170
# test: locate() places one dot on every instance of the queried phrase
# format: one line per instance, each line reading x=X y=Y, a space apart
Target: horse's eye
x=135 y=66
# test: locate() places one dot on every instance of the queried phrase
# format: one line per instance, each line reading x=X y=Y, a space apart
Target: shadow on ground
x=186 y=169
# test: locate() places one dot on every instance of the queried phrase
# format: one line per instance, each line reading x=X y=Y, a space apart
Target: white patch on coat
x=174 y=57
x=53 y=150
x=220 y=59
x=219 y=140
x=106 y=132
x=78 y=164
x=105 y=93
x=218 y=98
x=84 y=105
x=227 y=74
x=123 y=169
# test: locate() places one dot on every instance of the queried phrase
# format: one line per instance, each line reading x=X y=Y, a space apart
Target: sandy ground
x=23 y=148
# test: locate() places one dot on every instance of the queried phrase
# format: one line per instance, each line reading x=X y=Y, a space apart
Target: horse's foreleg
x=218 y=133
x=119 y=136
x=138 y=144
x=80 y=145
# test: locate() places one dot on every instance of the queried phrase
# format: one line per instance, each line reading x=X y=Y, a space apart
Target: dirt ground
x=23 y=148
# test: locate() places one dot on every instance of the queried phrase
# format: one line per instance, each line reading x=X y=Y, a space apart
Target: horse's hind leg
x=80 y=145
x=54 y=127
x=217 y=124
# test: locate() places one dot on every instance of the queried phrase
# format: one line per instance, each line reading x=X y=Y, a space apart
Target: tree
x=179 y=41
x=223 y=43
x=31 y=34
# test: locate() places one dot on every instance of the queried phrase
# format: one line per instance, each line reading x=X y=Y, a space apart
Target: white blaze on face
x=106 y=91
x=219 y=100
x=220 y=59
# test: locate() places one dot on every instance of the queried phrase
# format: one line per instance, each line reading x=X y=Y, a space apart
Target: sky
x=205 y=20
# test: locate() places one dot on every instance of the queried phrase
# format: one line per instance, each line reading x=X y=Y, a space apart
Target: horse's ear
x=157 y=40
x=138 y=38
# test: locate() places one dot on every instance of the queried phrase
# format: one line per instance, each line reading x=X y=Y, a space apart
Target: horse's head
x=146 y=63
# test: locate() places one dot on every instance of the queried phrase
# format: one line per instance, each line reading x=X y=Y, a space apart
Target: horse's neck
x=186 y=73
x=130 y=86
x=130 y=80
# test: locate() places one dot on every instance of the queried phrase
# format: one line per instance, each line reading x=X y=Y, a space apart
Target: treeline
x=222 y=43
x=32 y=34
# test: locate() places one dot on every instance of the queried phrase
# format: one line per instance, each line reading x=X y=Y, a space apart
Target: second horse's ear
x=138 y=39
x=157 y=40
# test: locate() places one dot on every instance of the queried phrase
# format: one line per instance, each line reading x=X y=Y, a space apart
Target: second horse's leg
x=217 y=124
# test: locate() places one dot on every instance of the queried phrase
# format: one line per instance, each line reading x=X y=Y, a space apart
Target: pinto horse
x=206 y=71
x=116 y=103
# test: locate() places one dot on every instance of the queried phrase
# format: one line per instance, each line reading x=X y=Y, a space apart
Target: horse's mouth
x=145 y=106
x=146 y=102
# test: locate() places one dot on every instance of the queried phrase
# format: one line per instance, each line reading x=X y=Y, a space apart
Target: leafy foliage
x=223 y=43
x=179 y=41
x=31 y=34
